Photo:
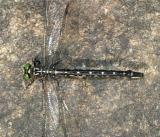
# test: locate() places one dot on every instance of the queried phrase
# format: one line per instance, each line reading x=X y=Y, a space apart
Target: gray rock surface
x=108 y=34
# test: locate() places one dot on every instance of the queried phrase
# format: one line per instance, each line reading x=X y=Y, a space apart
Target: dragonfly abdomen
x=88 y=72
x=80 y=72
x=98 y=73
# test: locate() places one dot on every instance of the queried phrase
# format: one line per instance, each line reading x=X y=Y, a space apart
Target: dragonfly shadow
x=67 y=61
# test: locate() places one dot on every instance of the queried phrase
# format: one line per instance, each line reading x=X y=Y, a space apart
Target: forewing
x=55 y=16
x=51 y=106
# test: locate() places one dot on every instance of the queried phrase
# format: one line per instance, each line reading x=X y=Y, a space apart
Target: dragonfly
x=45 y=69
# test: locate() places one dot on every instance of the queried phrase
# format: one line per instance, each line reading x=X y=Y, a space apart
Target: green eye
x=26 y=77
x=26 y=69
x=26 y=66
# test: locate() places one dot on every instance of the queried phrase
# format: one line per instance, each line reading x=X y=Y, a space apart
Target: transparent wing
x=55 y=111
x=55 y=13
x=54 y=17
x=51 y=107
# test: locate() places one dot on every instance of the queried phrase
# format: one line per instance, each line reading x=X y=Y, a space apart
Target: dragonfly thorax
x=42 y=71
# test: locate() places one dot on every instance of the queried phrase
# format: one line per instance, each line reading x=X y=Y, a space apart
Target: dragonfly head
x=27 y=70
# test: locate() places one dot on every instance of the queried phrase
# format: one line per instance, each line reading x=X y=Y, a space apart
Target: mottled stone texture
x=108 y=34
